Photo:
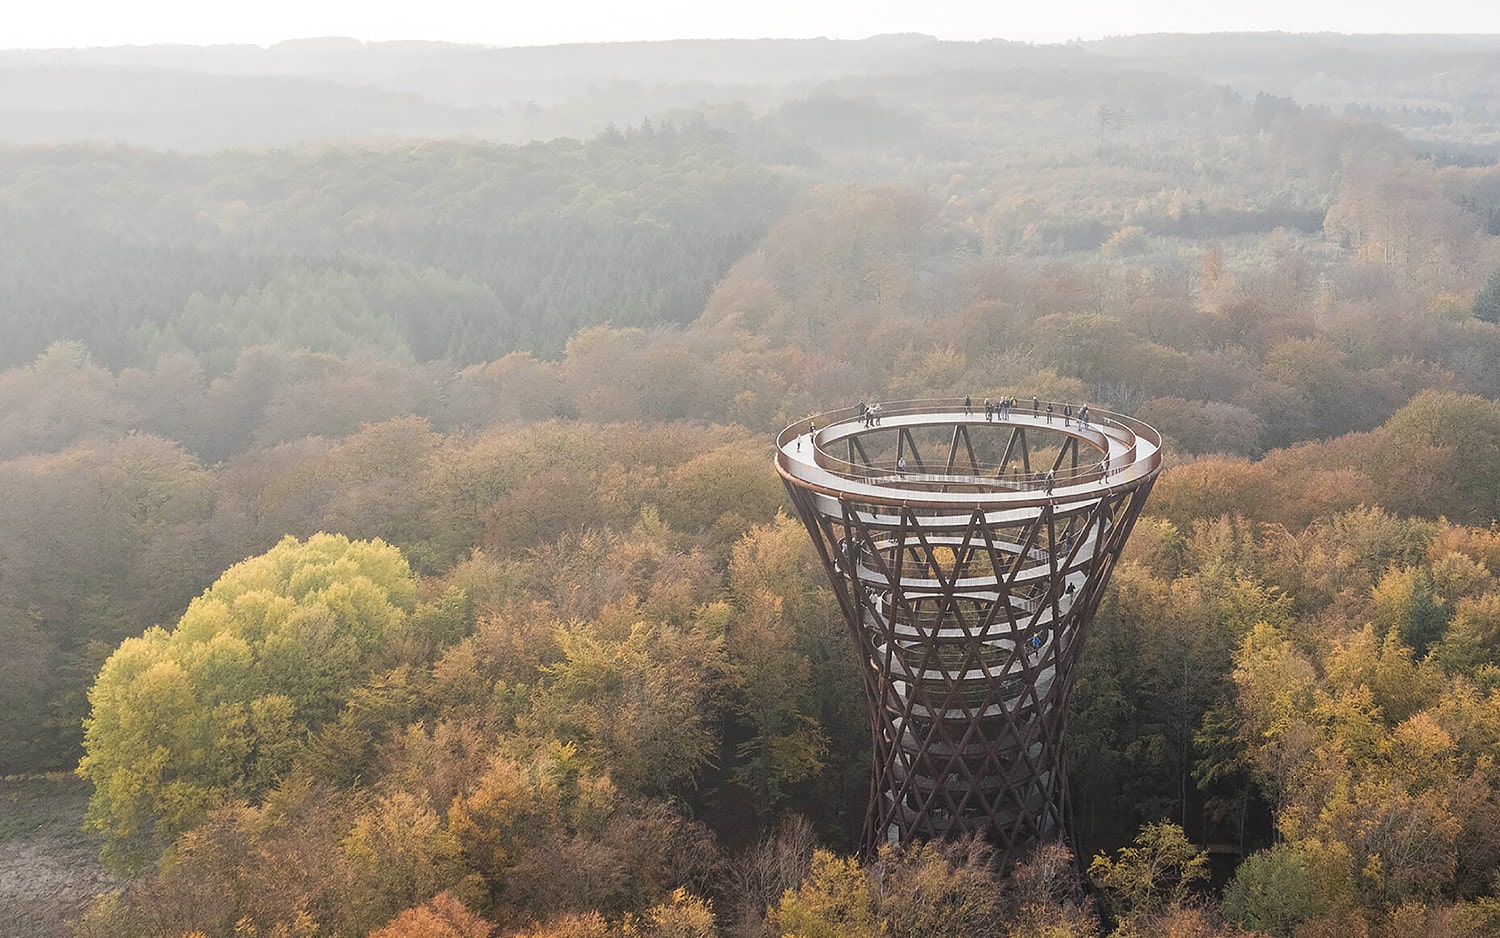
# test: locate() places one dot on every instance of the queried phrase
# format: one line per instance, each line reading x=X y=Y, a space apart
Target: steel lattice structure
x=968 y=551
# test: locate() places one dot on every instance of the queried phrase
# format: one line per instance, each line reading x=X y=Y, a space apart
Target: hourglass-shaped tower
x=969 y=551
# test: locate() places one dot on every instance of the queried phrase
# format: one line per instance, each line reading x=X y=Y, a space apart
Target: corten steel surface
x=968 y=587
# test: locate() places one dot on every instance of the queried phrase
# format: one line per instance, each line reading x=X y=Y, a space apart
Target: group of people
x=1000 y=411
x=1003 y=410
x=1046 y=480
x=869 y=416
x=812 y=429
x=1068 y=414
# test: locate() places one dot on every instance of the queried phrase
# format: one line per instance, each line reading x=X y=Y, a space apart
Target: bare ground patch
x=43 y=883
x=49 y=868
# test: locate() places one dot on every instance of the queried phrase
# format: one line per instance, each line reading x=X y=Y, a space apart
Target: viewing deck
x=1125 y=451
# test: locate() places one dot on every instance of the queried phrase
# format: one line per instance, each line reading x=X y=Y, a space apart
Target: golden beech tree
x=1159 y=871
x=913 y=892
x=220 y=706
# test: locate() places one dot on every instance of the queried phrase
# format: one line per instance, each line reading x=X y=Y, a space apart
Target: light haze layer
x=105 y=23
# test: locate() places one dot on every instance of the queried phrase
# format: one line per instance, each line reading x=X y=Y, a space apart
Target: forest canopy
x=391 y=544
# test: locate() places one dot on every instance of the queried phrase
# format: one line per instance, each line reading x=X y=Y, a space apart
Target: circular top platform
x=1084 y=461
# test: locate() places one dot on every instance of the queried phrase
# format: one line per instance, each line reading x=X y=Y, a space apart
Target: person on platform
x=968 y=405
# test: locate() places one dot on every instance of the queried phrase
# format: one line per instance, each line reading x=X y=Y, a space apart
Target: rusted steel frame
x=969 y=448
x=921 y=689
x=806 y=508
x=803 y=502
x=1070 y=445
x=894 y=501
x=854 y=616
x=1017 y=435
x=1109 y=525
x=1032 y=530
x=958 y=766
x=945 y=591
x=1002 y=595
x=953 y=448
x=1132 y=427
x=961 y=432
x=1122 y=525
x=953 y=698
x=860 y=447
x=854 y=534
x=886 y=769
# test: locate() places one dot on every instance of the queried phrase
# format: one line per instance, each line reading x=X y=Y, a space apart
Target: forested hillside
x=388 y=536
x=462 y=252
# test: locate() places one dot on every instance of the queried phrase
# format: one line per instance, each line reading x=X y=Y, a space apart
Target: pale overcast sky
x=69 y=23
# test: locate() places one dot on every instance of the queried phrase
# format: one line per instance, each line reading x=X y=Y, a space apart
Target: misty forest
x=390 y=545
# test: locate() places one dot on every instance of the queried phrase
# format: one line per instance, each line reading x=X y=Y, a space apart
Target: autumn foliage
x=389 y=538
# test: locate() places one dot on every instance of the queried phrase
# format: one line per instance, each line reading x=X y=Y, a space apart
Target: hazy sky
x=63 y=23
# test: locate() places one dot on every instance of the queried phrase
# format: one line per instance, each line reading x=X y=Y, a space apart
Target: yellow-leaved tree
x=219 y=707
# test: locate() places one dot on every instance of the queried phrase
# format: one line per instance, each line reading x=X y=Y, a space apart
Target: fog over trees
x=389 y=543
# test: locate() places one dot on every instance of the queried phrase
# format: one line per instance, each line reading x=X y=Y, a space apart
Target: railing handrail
x=988 y=474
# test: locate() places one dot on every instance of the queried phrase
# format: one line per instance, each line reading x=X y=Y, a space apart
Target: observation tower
x=968 y=552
